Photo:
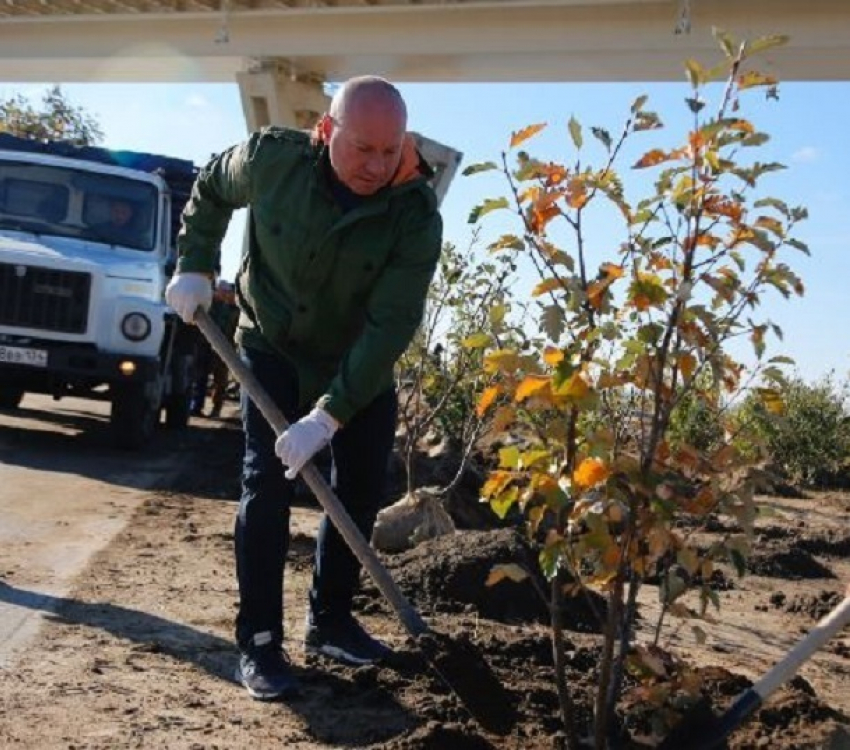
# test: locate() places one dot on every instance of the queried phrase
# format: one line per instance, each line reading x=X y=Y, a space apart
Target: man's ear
x=326 y=127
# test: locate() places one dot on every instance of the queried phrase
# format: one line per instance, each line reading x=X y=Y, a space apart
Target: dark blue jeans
x=361 y=450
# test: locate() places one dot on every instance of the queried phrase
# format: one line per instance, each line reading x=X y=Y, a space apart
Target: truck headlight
x=136 y=326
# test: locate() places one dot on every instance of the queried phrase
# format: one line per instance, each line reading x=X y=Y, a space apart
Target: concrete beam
x=631 y=40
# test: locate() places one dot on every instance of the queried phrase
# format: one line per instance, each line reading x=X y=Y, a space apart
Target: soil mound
x=449 y=574
x=793 y=564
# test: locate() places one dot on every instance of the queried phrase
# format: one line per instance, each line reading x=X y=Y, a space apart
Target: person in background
x=119 y=228
x=344 y=239
x=224 y=314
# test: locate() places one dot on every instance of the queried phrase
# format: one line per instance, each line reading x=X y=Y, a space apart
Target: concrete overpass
x=280 y=51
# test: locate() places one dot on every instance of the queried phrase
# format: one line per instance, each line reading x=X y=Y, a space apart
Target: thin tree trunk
x=564 y=698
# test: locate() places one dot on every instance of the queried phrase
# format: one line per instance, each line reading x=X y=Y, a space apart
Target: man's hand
x=186 y=292
x=304 y=439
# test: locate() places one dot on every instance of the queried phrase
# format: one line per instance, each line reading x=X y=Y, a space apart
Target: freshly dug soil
x=140 y=653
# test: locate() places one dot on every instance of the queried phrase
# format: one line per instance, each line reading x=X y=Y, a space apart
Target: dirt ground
x=139 y=654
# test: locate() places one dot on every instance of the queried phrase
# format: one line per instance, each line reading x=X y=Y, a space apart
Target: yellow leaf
x=531 y=385
x=753 y=78
x=501 y=360
x=476 y=341
x=486 y=400
x=520 y=136
x=553 y=356
x=591 y=472
x=772 y=400
x=612 y=270
x=547 y=285
x=509 y=571
x=574 y=387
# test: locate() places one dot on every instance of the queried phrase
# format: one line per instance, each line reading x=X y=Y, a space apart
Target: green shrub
x=809 y=442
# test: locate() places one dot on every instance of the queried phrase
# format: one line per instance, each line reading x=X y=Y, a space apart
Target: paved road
x=64 y=493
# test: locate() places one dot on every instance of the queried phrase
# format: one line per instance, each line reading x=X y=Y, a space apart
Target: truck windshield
x=87 y=205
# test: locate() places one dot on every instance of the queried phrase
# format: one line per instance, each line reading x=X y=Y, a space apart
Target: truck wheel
x=177 y=410
x=10 y=396
x=133 y=418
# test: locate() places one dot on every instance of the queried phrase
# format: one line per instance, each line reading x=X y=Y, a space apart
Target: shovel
x=701 y=730
x=460 y=668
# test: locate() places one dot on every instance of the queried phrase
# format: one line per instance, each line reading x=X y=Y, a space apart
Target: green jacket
x=339 y=294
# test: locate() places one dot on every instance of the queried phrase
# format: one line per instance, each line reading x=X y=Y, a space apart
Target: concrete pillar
x=274 y=93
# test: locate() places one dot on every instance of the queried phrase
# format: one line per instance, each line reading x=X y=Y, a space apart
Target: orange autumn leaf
x=540 y=217
x=723 y=207
x=591 y=472
x=687 y=364
x=595 y=292
x=651 y=158
x=530 y=385
x=486 y=400
x=612 y=270
x=576 y=195
x=520 y=136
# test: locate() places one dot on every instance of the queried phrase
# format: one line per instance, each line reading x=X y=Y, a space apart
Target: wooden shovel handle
x=331 y=504
x=816 y=637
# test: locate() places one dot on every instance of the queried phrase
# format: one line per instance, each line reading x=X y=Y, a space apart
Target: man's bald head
x=372 y=92
x=365 y=132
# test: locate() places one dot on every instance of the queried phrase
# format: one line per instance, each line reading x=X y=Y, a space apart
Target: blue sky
x=808 y=128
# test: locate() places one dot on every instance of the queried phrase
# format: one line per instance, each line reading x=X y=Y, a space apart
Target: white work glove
x=304 y=439
x=186 y=292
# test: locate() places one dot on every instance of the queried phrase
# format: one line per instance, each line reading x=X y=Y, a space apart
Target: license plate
x=18 y=355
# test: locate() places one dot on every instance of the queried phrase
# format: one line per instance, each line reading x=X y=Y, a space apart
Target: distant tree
x=56 y=119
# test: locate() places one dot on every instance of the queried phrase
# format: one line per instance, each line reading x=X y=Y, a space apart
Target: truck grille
x=33 y=297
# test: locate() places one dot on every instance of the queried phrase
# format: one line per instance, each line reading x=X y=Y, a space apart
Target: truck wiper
x=34 y=227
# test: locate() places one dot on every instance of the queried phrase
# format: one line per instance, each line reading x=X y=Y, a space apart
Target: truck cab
x=86 y=248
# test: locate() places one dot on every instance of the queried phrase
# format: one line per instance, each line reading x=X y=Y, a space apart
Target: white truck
x=86 y=249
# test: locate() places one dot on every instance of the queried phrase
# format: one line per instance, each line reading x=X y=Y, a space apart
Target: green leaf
x=802 y=246
x=484 y=166
x=739 y=561
x=575 y=132
x=476 y=341
x=779 y=205
x=647 y=121
x=497 y=315
x=491 y=204
x=695 y=104
x=637 y=106
x=603 y=136
x=550 y=559
x=781 y=359
x=552 y=322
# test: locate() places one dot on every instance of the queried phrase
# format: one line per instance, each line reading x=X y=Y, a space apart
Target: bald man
x=344 y=238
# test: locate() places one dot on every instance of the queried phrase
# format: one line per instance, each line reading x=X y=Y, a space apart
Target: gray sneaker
x=266 y=673
x=345 y=640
